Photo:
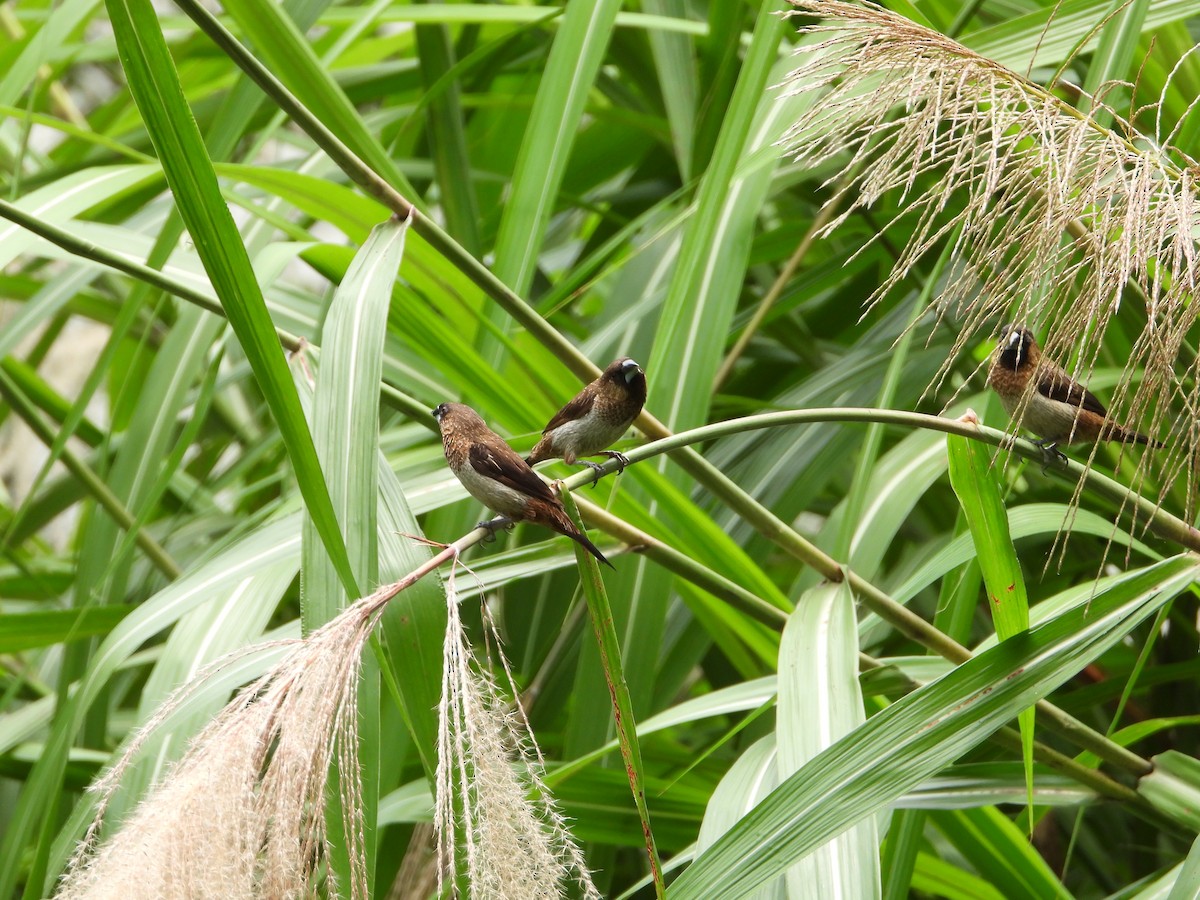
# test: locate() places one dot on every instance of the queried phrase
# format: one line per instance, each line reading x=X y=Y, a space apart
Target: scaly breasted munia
x=1058 y=409
x=497 y=477
x=595 y=418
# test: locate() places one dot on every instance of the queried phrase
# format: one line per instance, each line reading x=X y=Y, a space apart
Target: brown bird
x=497 y=477
x=1058 y=409
x=595 y=418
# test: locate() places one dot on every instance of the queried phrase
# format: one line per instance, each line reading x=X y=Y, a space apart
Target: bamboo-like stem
x=781 y=281
x=683 y=565
x=1157 y=520
x=1010 y=738
x=609 y=646
x=109 y=502
x=895 y=614
x=81 y=247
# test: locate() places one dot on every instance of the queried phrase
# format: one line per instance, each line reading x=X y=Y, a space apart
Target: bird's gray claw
x=621 y=458
x=492 y=524
x=1050 y=453
x=596 y=470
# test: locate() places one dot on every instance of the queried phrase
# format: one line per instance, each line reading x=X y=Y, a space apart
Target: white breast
x=586 y=434
x=491 y=493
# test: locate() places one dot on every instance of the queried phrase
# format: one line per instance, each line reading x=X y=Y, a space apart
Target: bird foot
x=1050 y=453
x=492 y=524
x=621 y=458
x=596 y=470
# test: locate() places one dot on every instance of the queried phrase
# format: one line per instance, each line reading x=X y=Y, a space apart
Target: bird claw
x=1050 y=452
x=621 y=458
x=596 y=468
x=492 y=524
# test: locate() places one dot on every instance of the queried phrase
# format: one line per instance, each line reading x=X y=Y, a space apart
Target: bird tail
x=557 y=519
x=1125 y=436
x=591 y=548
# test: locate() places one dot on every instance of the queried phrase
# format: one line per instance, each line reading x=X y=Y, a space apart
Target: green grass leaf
x=919 y=734
x=156 y=88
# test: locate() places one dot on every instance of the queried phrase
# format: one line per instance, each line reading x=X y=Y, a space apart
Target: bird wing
x=508 y=469
x=577 y=408
x=1060 y=386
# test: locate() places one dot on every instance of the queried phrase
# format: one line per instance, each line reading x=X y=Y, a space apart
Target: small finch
x=1058 y=409
x=497 y=477
x=596 y=418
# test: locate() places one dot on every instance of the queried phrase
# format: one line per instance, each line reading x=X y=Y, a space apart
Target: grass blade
x=156 y=89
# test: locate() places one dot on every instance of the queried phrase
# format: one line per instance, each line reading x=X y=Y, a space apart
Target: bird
x=596 y=417
x=495 y=475
x=1058 y=409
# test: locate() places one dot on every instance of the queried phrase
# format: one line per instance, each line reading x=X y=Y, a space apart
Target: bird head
x=1017 y=346
x=628 y=376
x=628 y=369
x=455 y=415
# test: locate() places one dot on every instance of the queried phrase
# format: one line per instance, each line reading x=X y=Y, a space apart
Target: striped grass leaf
x=447 y=136
x=751 y=779
x=346 y=434
x=898 y=856
x=918 y=735
x=1026 y=521
x=1187 y=882
x=25 y=630
x=291 y=58
x=68 y=197
x=1026 y=41
x=224 y=572
x=974 y=481
x=346 y=419
x=996 y=848
x=571 y=69
x=1173 y=787
x=933 y=875
x=707 y=278
x=819 y=703
x=1119 y=35
x=156 y=88
x=675 y=64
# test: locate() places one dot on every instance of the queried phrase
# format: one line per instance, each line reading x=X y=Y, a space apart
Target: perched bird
x=596 y=418
x=497 y=477
x=1058 y=409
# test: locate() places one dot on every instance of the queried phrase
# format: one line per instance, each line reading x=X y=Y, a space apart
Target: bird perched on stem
x=595 y=418
x=1057 y=408
x=497 y=477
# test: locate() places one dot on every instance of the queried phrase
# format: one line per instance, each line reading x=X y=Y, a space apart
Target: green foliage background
x=615 y=166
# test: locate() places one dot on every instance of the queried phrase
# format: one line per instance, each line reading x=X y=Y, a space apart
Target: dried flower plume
x=242 y=814
x=490 y=792
x=1058 y=219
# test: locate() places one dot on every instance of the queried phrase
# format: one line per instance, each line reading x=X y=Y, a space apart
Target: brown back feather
x=580 y=405
x=502 y=464
x=1058 y=385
